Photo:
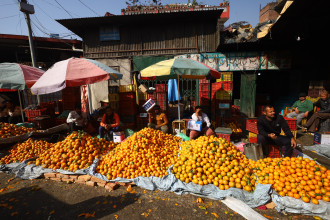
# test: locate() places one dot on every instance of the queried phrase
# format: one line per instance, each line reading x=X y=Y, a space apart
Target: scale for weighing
x=223 y=108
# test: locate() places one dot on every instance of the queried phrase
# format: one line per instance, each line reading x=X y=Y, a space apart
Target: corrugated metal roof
x=79 y=25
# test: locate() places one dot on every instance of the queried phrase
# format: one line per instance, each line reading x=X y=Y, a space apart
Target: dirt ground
x=47 y=199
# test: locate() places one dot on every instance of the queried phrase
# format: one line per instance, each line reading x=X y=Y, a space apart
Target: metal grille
x=188 y=87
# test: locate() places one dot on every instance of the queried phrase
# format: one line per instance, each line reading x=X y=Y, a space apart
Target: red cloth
x=115 y=119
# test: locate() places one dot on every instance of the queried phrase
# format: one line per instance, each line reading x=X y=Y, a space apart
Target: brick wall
x=267 y=12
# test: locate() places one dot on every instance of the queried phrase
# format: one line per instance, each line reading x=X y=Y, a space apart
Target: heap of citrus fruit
x=146 y=153
x=214 y=160
x=295 y=177
x=26 y=150
x=76 y=151
x=9 y=130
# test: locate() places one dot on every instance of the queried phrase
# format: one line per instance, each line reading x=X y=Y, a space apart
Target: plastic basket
x=226 y=76
x=216 y=86
x=152 y=96
x=162 y=104
x=143 y=96
x=204 y=94
x=34 y=113
x=204 y=87
x=127 y=88
x=113 y=97
x=204 y=81
x=227 y=85
x=161 y=96
x=253 y=139
x=292 y=122
x=251 y=125
x=225 y=136
x=161 y=87
x=223 y=95
x=274 y=151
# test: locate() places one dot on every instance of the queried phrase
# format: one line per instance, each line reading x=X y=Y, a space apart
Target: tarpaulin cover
x=321 y=149
x=260 y=196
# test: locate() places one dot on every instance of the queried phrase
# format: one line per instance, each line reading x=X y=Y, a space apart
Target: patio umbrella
x=19 y=77
x=179 y=67
x=73 y=72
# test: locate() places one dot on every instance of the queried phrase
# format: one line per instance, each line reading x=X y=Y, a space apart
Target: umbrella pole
x=179 y=102
x=20 y=103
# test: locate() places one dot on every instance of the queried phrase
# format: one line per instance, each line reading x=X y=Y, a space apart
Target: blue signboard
x=109 y=33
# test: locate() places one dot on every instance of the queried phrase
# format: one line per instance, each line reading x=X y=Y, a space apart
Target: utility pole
x=28 y=9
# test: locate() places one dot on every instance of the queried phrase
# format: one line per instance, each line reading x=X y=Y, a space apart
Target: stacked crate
x=127 y=106
x=222 y=90
x=161 y=96
x=71 y=98
x=205 y=97
x=114 y=98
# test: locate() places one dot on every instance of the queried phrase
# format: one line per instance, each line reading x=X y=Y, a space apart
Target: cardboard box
x=194 y=125
x=143 y=88
x=320 y=138
x=118 y=137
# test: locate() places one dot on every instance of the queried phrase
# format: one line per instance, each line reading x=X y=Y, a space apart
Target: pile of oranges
x=76 y=151
x=146 y=153
x=295 y=177
x=209 y=160
x=9 y=130
x=26 y=150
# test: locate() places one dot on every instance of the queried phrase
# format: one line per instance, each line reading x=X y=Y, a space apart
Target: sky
x=47 y=11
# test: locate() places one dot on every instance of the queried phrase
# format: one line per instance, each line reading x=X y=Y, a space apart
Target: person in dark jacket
x=323 y=114
x=269 y=128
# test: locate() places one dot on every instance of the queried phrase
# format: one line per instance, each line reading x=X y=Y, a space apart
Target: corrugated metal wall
x=174 y=38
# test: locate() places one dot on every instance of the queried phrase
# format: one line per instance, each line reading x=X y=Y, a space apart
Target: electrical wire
x=9 y=16
x=63 y=8
x=89 y=8
x=65 y=34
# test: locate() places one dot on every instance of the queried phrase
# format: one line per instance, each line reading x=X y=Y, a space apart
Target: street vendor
x=269 y=128
x=206 y=129
x=75 y=120
x=301 y=108
x=158 y=120
x=11 y=113
x=323 y=114
x=110 y=122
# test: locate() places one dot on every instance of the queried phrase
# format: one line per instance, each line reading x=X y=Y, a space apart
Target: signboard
x=109 y=33
x=195 y=125
x=242 y=61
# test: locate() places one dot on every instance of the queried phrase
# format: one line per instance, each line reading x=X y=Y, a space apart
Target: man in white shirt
x=75 y=120
x=206 y=124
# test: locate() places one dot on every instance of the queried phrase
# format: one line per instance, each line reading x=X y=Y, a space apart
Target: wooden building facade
x=116 y=40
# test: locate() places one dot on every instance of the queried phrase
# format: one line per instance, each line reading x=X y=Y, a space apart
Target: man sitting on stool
x=110 y=123
x=269 y=127
x=75 y=120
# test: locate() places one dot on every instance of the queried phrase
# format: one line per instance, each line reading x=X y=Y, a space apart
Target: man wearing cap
x=301 y=108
